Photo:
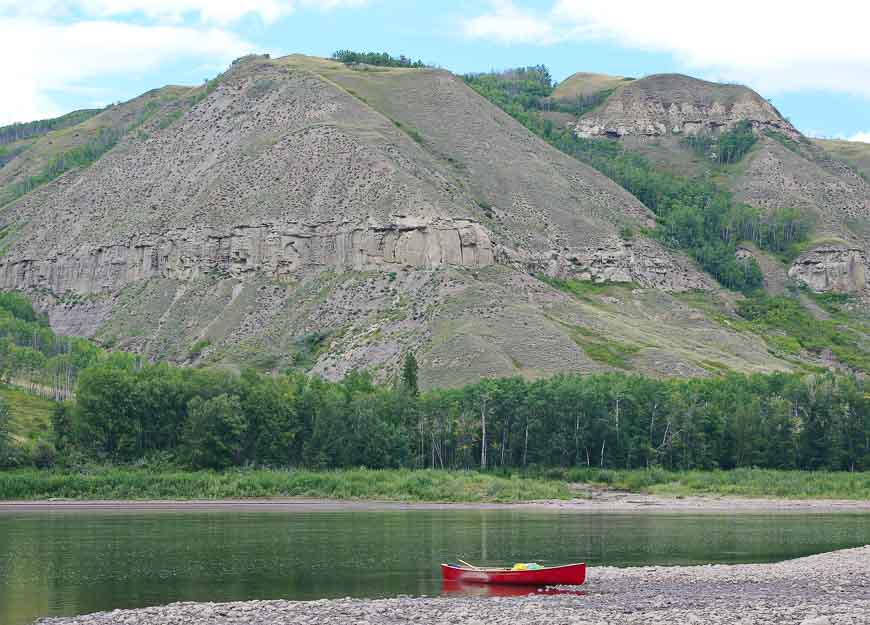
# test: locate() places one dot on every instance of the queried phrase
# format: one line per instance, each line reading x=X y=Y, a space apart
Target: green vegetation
x=30 y=352
x=409 y=375
x=197 y=348
x=29 y=130
x=380 y=59
x=728 y=148
x=790 y=327
x=385 y=485
x=29 y=414
x=77 y=157
x=601 y=349
x=524 y=92
x=309 y=347
x=747 y=482
x=127 y=412
x=694 y=214
x=6 y=447
x=786 y=142
x=207 y=89
x=9 y=152
x=583 y=289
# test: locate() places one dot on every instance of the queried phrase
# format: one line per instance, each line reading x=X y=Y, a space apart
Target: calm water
x=54 y=563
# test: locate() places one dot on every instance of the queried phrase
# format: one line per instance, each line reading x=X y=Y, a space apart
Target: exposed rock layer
x=671 y=103
x=276 y=250
x=831 y=268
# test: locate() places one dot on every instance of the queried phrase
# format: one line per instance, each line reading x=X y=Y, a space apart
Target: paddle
x=468 y=565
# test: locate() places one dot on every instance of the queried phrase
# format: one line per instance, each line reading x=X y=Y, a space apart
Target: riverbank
x=602 y=488
x=826 y=589
x=110 y=483
x=602 y=501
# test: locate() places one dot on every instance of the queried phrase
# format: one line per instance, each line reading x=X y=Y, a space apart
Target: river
x=71 y=562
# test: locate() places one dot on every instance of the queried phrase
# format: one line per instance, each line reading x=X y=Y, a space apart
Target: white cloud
x=508 y=24
x=773 y=45
x=221 y=12
x=73 y=46
x=864 y=137
x=46 y=57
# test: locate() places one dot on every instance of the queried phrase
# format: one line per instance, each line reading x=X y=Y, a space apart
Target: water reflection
x=55 y=563
x=501 y=590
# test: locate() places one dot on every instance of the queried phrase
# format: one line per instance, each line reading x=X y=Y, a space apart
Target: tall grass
x=738 y=482
x=392 y=485
x=419 y=485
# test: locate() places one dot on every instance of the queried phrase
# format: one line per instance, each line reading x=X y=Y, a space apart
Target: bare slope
x=783 y=171
x=30 y=156
x=297 y=212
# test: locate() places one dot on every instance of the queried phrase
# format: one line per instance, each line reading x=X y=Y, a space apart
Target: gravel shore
x=594 y=500
x=826 y=589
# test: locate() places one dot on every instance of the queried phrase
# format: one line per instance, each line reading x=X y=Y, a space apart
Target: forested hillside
x=128 y=411
x=694 y=214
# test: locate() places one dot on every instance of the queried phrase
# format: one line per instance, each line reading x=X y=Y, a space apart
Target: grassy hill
x=856 y=153
x=585 y=85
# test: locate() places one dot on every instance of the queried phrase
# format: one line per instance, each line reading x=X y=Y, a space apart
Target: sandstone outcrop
x=831 y=268
x=675 y=104
x=641 y=262
x=276 y=250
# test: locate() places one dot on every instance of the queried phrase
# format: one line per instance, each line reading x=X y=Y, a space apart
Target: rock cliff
x=675 y=104
x=835 y=268
x=276 y=250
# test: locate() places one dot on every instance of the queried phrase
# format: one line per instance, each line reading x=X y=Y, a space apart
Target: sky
x=812 y=60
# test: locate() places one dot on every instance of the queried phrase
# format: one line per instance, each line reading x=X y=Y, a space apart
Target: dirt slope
x=297 y=212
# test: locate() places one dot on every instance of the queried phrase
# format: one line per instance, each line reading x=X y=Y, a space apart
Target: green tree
x=5 y=434
x=214 y=432
x=107 y=417
x=409 y=374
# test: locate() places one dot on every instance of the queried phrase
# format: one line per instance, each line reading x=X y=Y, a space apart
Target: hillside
x=856 y=153
x=304 y=213
x=669 y=119
x=585 y=85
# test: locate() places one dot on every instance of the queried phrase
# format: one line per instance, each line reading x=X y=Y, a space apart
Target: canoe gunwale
x=567 y=574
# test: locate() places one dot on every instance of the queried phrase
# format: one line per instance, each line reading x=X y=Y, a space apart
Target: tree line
x=80 y=156
x=126 y=411
x=29 y=130
x=33 y=356
x=381 y=59
x=694 y=214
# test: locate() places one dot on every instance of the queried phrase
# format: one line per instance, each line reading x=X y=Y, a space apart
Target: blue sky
x=813 y=64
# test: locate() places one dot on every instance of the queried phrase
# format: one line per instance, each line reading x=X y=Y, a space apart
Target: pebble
x=796 y=592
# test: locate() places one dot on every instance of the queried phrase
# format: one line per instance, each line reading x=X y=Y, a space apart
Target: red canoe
x=569 y=575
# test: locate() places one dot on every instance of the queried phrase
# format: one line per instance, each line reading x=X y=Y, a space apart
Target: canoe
x=569 y=575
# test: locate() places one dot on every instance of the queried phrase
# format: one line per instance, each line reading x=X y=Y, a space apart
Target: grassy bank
x=31 y=414
x=392 y=485
x=758 y=483
x=421 y=485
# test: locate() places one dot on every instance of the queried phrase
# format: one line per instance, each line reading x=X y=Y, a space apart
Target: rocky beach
x=825 y=589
